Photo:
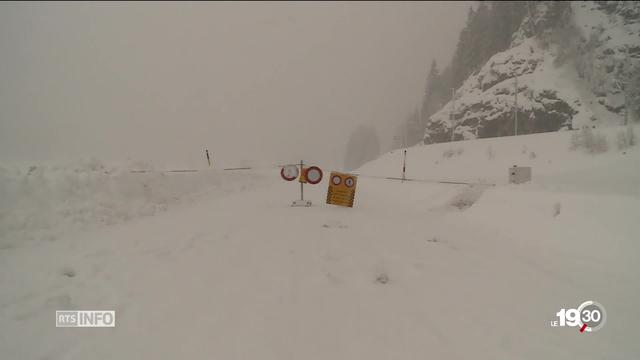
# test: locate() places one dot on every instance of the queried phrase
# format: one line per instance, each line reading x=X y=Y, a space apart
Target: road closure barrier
x=315 y=174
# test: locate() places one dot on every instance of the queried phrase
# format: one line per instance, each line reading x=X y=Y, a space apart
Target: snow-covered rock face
x=609 y=51
x=559 y=86
x=485 y=104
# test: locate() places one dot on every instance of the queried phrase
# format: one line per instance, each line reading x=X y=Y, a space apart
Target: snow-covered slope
x=555 y=165
x=566 y=78
x=415 y=270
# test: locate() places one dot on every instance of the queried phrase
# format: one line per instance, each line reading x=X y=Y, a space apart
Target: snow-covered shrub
x=448 y=153
x=490 y=153
x=621 y=140
x=467 y=197
x=575 y=141
x=597 y=144
x=631 y=136
x=591 y=142
x=557 y=208
x=626 y=138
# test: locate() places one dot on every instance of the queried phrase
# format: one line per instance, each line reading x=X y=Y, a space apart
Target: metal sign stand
x=302 y=201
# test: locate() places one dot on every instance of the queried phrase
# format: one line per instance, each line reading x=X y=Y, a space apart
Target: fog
x=252 y=82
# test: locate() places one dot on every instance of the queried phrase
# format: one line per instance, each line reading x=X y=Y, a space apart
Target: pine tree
x=363 y=146
x=429 y=106
x=480 y=38
x=459 y=63
x=505 y=19
x=414 y=130
x=488 y=30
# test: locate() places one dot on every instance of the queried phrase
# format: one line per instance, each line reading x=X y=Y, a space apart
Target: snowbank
x=45 y=202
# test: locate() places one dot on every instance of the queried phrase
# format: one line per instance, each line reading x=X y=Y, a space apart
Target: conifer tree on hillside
x=434 y=94
x=488 y=30
x=505 y=19
x=363 y=146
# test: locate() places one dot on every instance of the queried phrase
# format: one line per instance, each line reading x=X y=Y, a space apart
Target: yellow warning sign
x=342 y=189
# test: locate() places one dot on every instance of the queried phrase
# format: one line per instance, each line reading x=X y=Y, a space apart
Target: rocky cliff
x=562 y=71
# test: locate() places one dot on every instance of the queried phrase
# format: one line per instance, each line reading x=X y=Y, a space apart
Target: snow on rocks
x=485 y=103
x=559 y=86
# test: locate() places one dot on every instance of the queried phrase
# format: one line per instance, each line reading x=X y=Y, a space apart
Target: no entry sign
x=289 y=172
x=313 y=175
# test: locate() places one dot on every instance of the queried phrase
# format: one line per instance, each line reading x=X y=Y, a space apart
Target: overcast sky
x=253 y=82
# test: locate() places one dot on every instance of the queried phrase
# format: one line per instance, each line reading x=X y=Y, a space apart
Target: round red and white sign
x=314 y=175
x=289 y=172
x=349 y=182
x=336 y=179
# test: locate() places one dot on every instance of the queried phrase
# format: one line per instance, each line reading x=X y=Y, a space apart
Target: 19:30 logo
x=590 y=316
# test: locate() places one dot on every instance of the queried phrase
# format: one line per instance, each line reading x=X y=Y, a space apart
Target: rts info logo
x=91 y=318
x=590 y=316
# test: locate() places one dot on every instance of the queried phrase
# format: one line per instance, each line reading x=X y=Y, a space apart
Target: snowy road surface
x=413 y=271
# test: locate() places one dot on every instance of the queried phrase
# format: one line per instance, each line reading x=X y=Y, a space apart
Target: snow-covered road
x=404 y=274
x=413 y=271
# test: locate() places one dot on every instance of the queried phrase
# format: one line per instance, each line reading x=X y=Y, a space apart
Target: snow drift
x=45 y=202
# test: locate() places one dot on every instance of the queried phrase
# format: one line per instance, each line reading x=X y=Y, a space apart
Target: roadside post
x=404 y=165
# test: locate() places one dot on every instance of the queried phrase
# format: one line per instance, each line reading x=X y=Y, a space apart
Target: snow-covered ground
x=228 y=270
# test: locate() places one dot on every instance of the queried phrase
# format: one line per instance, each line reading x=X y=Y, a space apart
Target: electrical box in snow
x=519 y=174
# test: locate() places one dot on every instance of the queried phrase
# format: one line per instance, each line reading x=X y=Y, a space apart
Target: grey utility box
x=519 y=174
